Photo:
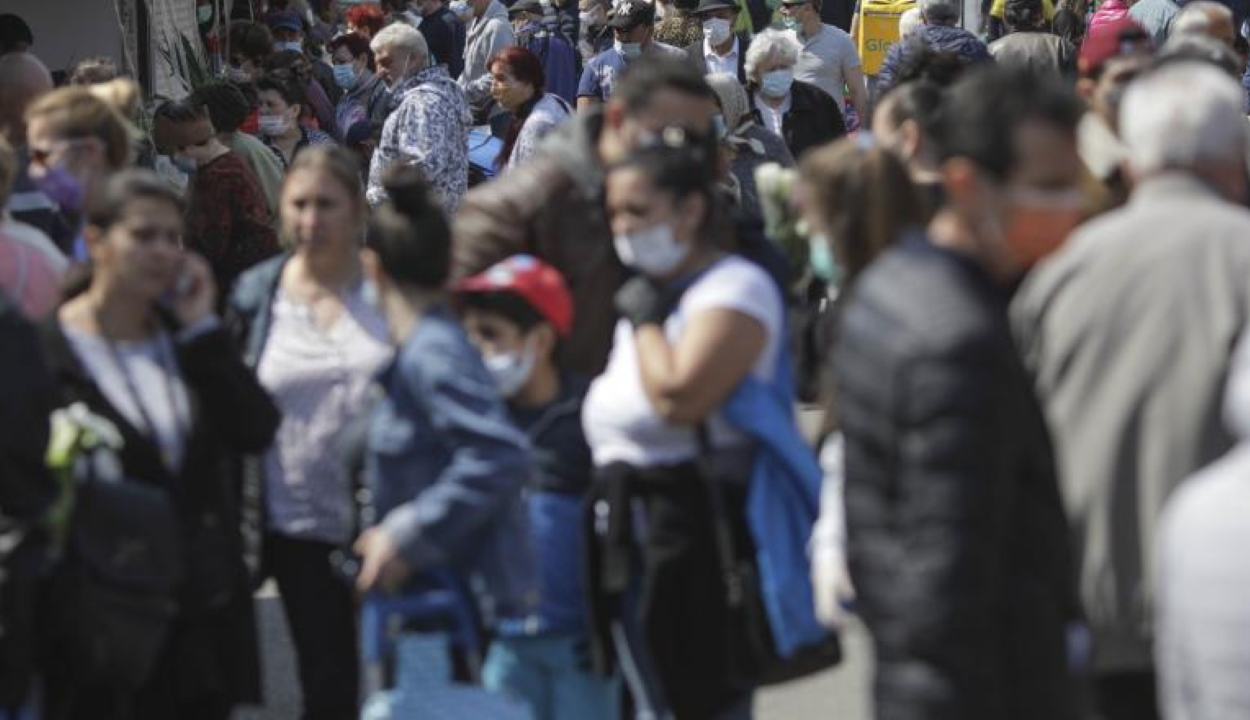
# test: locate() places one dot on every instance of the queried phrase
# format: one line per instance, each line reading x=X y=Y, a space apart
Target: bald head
x=22 y=80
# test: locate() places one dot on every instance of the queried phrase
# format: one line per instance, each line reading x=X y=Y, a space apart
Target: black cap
x=629 y=14
x=525 y=6
x=706 y=6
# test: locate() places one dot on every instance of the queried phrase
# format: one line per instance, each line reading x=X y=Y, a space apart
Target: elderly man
x=938 y=33
x=721 y=50
x=1128 y=333
x=429 y=128
x=829 y=59
x=633 y=24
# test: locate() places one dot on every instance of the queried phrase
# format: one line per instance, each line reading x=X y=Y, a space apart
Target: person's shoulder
x=736 y=278
x=666 y=49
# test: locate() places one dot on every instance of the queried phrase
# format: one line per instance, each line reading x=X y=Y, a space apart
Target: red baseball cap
x=1113 y=39
x=536 y=282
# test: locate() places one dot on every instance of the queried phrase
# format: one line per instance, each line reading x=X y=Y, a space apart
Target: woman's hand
x=381 y=564
x=194 y=292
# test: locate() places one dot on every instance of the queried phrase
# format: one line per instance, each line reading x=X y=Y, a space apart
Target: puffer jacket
x=957 y=542
x=813 y=119
x=552 y=207
x=940 y=38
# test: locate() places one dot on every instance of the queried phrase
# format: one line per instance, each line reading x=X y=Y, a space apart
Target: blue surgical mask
x=345 y=75
x=204 y=14
x=718 y=125
x=629 y=51
x=184 y=163
x=512 y=370
x=820 y=259
x=655 y=252
x=790 y=23
x=370 y=295
x=293 y=45
x=776 y=84
x=62 y=188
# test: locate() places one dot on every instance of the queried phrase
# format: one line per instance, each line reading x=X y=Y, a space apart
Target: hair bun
x=409 y=191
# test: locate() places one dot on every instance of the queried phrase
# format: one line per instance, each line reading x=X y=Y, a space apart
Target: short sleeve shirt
x=620 y=423
x=599 y=76
x=827 y=58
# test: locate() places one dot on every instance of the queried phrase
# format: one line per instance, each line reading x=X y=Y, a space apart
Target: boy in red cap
x=516 y=313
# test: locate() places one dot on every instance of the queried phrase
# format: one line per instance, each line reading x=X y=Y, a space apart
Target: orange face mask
x=1039 y=221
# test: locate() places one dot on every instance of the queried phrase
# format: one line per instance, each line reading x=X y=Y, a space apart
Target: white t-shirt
x=620 y=423
x=826 y=59
x=319 y=379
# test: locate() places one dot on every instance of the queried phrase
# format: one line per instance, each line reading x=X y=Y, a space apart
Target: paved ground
x=840 y=694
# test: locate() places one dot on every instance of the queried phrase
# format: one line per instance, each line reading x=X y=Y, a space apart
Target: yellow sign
x=878 y=30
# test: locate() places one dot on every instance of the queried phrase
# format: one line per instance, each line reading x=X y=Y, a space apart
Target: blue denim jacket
x=447 y=468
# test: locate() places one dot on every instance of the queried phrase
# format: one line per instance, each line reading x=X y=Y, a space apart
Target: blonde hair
x=93 y=70
x=74 y=112
x=122 y=94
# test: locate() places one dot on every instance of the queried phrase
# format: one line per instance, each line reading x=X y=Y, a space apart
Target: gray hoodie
x=487 y=35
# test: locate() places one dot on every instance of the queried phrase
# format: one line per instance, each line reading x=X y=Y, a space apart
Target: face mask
x=345 y=75
x=184 y=163
x=776 y=84
x=460 y=9
x=293 y=45
x=820 y=259
x=587 y=19
x=629 y=51
x=1038 y=222
x=370 y=295
x=204 y=14
x=716 y=31
x=512 y=370
x=61 y=187
x=238 y=75
x=718 y=125
x=790 y=23
x=653 y=252
x=272 y=125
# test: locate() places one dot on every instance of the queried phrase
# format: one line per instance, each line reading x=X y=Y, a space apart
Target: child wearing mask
x=516 y=313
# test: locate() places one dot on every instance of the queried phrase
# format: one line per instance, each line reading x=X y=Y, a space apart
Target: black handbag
x=115 y=592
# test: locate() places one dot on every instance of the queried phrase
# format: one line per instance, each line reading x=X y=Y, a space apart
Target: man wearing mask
x=534 y=32
x=958 y=546
x=1128 y=332
x=633 y=25
x=1111 y=57
x=721 y=51
x=489 y=31
x=552 y=206
x=288 y=35
x=429 y=127
x=594 y=35
x=829 y=59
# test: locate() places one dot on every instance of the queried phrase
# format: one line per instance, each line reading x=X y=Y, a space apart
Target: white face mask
x=654 y=252
x=272 y=125
x=512 y=370
x=236 y=74
x=716 y=31
x=292 y=45
x=629 y=51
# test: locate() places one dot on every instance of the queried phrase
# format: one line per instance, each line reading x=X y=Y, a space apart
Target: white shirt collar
x=708 y=52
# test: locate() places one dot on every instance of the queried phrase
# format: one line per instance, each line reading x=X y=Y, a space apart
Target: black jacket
x=26 y=491
x=957 y=541
x=694 y=51
x=212 y=654
x=813 y=120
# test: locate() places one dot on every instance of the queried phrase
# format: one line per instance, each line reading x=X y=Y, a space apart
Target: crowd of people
x=289 y=328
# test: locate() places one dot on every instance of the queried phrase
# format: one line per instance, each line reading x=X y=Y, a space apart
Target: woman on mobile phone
x=159 y=386
x=316 y=342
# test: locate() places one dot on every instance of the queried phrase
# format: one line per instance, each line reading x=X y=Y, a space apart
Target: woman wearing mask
x=140 y=356
x=316 y=343
x=695 y=324
x=282 y=106
x=803 y=115
x=75 y=142
x=517 y=85
x=444 y=461
x=365 y=98
x=228 y=218
x=748 y=143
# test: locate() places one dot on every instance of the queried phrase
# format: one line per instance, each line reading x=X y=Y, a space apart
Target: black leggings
x=321 y=613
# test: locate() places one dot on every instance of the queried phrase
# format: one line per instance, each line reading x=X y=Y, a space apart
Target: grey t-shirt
x=827 y=58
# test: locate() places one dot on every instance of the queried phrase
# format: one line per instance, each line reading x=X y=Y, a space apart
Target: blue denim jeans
x=551 y=673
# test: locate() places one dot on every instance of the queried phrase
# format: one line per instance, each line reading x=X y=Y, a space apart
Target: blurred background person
x=15 y=35
x=519 y=87
x=1029 y=44
x=365 y=97
x=365 y=20
x=93 y=70
x=316 y=344
x=31 y=267
x=801 y=114
x=287 y=28
x=1155 y=374
x=141 y=347
x=489 y=31
x=828 y=59
x=228 y=221
x=227 y=108
x=633 y=26
x=941 y=33
x=30 y=212
x=282 y=108
x=594 y=35
x=906 y=122
x=750 y=144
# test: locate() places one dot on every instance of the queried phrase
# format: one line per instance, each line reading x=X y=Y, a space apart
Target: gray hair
x=909 y=22
x=940 y=12
x=401 y=36
x=733 y=98
x=1181 y=116
x=772 y=43
x=1195 y=18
